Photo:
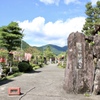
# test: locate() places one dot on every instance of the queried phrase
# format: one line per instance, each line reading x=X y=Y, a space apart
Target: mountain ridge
x=54 y=48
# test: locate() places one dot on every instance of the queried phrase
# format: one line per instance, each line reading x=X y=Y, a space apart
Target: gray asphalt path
x=44 y=84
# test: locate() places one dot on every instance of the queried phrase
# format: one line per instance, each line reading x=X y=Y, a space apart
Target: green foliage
x=11 y=36
x=23 y=66
x=15 y=69
x=61 y=66
x=30 y=68
x=34 y=51
x=3 y=53
x=33 y=65
x=87 y=94
x=48 y=53
x=93 y=18
x=89 y=25
x=98 y=33
x=15 y=63
x=6 y=70
x=37 y=61
x=25 y=45
x=55 y=49
x=40 y=64
x=92 y=43
x=36 y=67
x=14 y=75
x=64 y=56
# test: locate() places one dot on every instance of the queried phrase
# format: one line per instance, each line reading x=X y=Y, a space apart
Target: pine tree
x=88 y=27
x=93 y=19
x=97 y=15
x=11 y=36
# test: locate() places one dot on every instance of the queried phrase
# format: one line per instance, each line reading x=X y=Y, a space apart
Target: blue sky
x=45 y=21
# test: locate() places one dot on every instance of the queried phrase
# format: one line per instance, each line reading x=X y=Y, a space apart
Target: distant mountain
x=27 y=48
x=25 y=45
x=54 y=48
x=64 y=48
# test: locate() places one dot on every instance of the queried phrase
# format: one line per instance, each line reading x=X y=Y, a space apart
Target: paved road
x=44 y=84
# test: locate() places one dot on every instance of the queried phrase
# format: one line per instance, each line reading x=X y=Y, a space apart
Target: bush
x=15 y=69
x=30 y=68
x=36 y=67
x=33 y=65
x=6 y=70
x=23 y=66
x=40 y=64
x=15 y=63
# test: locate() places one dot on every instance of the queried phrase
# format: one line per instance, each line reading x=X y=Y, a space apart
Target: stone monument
x=79 y=73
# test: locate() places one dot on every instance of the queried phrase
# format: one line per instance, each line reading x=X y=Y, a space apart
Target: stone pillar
x=79 y=73
x=96 y=52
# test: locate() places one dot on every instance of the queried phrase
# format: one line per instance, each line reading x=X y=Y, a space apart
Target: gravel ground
x=44 y=84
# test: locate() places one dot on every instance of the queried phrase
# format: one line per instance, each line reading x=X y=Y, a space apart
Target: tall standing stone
x=96 y=53
x=79 y=73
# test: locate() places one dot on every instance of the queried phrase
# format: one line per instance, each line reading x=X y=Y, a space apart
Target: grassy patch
x=14 y=75
x=61 y=67
x=86 y=94
x=36 y=67
x=11 y=76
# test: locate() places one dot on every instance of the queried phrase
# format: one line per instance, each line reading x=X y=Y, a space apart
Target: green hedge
x=24 y=66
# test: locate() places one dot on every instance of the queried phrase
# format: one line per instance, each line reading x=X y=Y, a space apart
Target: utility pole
x=21 y=41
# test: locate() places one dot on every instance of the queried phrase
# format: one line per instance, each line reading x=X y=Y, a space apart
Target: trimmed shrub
x=30 y=68
x=23 y=66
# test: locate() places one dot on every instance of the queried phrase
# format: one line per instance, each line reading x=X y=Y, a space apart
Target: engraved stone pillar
x=79 y=71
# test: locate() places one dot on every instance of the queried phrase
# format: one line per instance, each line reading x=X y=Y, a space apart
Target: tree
x=48 y=53
x=93 y=18
x=97 y=14
x=11 y=36
x=88 y=27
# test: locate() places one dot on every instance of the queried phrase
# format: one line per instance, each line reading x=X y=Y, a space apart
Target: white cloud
x=37 y=32
x=71 y=1
x=57 y=1
x=50 y=1
x=35 y=25
x=94 y=2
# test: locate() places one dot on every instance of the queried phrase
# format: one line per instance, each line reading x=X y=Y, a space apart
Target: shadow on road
x=34 y=72
x=2 y=82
